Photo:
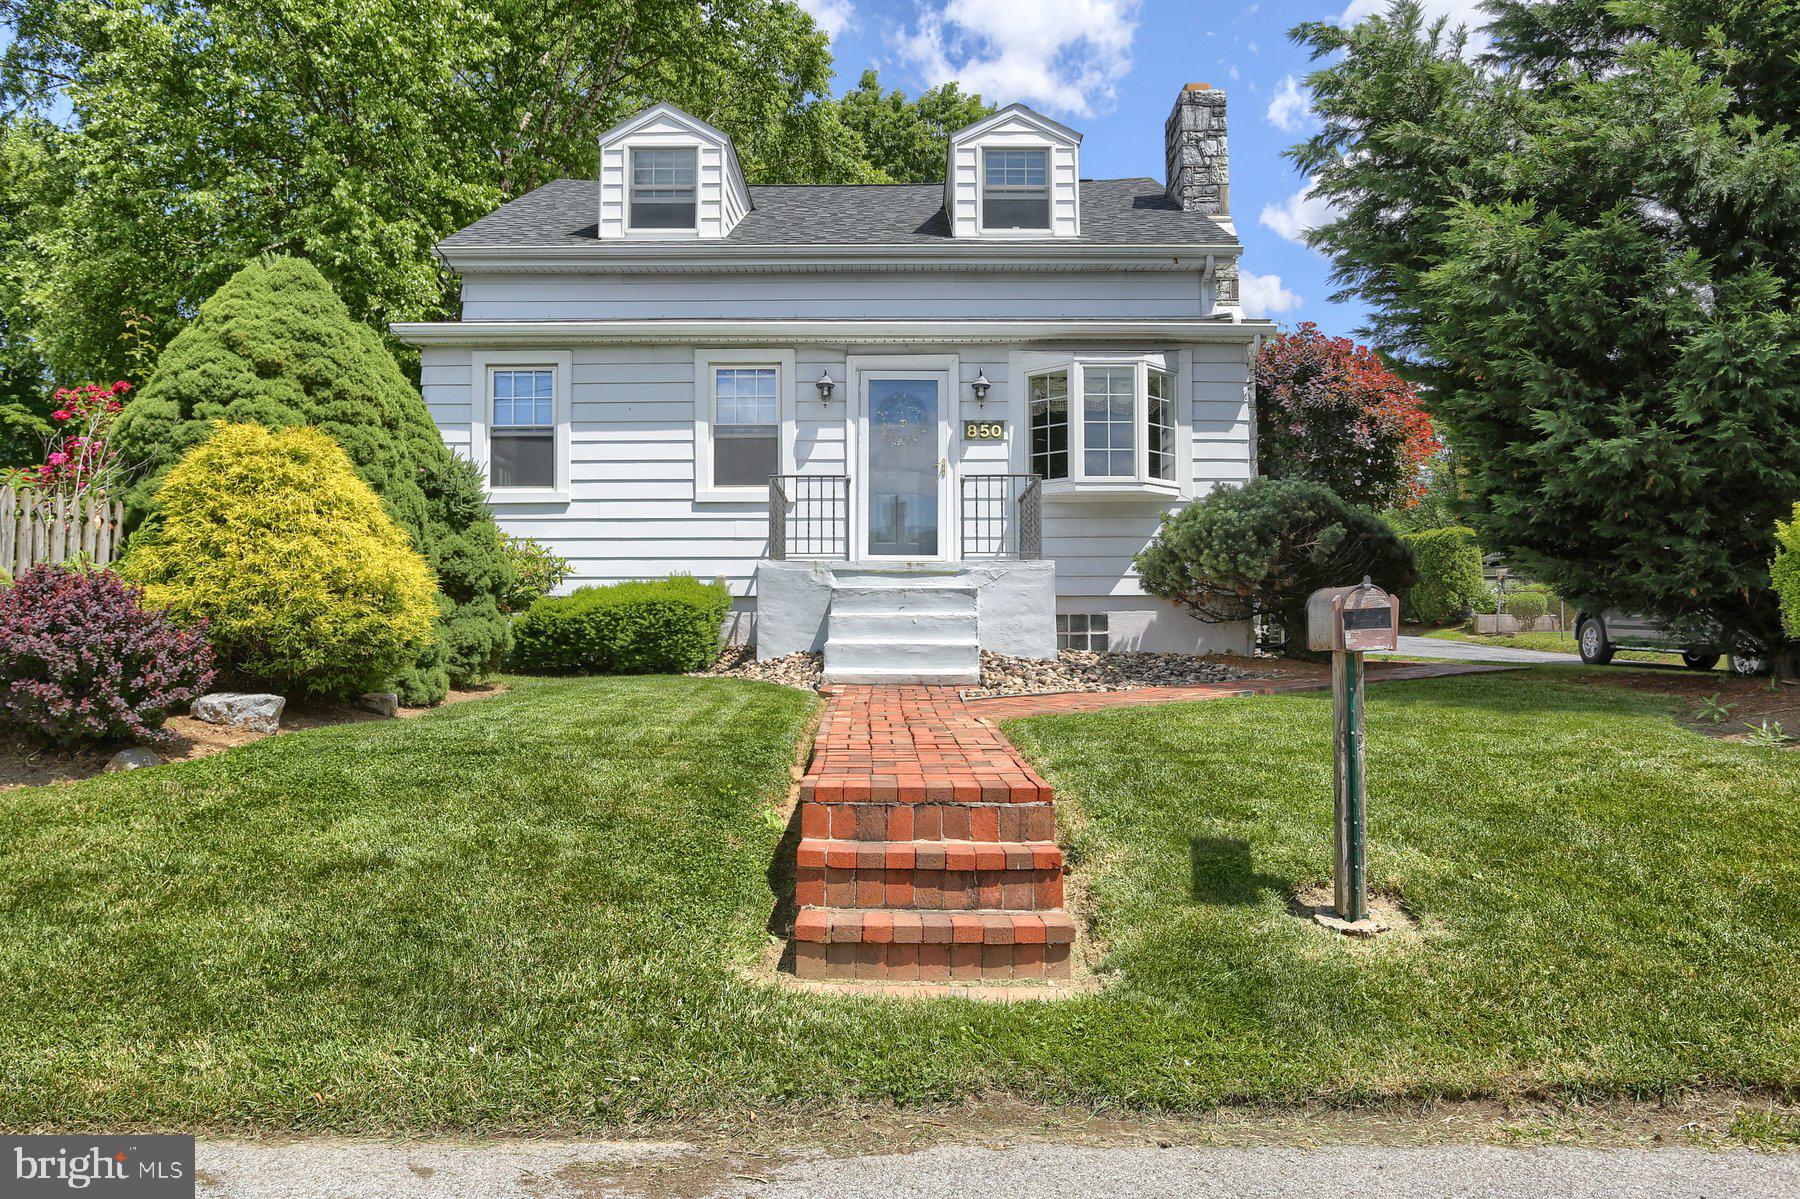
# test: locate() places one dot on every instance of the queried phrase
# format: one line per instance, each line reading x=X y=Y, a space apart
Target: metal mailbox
x=1352 y=619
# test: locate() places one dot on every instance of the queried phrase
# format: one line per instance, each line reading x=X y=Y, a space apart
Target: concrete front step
x=903 y=578
x=904 y=601
x=1018 y=876
x=927 y=821
x=928 y=946
x=908 y=626
x=899 y=658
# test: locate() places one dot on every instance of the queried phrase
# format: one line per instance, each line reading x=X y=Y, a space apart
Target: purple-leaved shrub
x=82 y=659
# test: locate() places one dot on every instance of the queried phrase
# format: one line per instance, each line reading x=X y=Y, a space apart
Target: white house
x=900 y=421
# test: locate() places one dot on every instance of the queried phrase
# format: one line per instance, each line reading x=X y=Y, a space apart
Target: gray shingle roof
x=1113 y=211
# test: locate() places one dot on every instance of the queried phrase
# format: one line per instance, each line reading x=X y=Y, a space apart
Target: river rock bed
x=1071 y=670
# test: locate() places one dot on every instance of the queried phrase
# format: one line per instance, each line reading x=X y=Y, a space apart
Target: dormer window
x=663 y=187
x=1015 y=192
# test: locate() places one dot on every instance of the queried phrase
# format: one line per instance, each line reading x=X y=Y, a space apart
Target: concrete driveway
x=1465 y=651
x=593 y=1169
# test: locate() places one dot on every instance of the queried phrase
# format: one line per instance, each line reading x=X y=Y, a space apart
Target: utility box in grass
x=1352 y=619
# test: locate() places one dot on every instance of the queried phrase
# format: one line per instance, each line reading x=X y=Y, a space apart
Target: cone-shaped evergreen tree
x=276 y=347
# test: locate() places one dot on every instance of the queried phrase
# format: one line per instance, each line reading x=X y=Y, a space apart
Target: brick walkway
x=927 y=845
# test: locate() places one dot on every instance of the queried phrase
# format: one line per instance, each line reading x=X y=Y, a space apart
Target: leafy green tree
x=1585 y=247
x=1786 y=571
x=1263 y=548
x=906 y=141
x=32 y=188
x=276 y=347
x=358 y=132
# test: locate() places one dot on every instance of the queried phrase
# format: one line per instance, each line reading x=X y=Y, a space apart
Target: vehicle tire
x=1590 y=637
x=1748 y=666
x=1699 y=659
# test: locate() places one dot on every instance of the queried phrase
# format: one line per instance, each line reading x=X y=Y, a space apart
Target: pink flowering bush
x=82 y=659
x=79 y=458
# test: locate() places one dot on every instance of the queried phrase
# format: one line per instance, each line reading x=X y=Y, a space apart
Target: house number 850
x=984 y=430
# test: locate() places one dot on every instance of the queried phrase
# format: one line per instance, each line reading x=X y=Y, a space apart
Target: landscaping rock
x=259 y=712
x=132 y=759
x=802 y=670
x=382 y=703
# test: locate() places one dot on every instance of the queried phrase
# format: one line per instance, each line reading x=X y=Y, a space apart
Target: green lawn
x=531 y=913
x=1555 y=643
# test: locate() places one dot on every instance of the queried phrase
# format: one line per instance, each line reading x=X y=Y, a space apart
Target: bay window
x=1105 y=424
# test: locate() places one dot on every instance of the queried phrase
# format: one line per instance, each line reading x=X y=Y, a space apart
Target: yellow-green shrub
x=302 y=578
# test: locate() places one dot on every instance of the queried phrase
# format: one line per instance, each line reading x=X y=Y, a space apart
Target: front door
x=904 y=466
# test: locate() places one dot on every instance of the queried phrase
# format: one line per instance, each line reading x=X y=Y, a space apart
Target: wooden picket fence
x=38 y=528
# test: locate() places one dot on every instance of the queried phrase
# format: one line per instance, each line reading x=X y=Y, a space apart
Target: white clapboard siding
x=631 y=511
x=990 y=295
x=39 y=528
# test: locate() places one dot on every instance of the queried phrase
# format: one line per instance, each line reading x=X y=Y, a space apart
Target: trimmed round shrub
x=275 y=346
x=1264 y=547
x=1526 y=604
x=665 y=626
x=1449 y=566
x=1785 y=573
x=82 y=658
x=302 y=578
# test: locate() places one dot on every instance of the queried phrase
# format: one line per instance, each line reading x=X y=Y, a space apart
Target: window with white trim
x=746 y=425
x=1015 y=189
x=1050 y=424
x=663 y=187
x=522 y=430
x=1159 y=424
x=1103 y=421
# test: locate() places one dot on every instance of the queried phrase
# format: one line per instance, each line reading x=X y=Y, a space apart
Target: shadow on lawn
x=1223 y=875
x=783 y=867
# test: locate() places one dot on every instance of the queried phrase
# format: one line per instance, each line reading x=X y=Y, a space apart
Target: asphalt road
x=589 y=1170
x=1463 y=651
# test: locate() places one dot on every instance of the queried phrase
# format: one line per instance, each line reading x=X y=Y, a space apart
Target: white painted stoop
x=902 y=625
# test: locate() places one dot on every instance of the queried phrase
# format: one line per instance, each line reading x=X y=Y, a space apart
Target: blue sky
x=1111 y=69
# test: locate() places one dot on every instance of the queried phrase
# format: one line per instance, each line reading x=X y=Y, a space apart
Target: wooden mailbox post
x=1348 y=621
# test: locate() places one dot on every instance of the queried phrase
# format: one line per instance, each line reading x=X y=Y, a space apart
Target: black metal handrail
x=1002 y=516
x=809 y=516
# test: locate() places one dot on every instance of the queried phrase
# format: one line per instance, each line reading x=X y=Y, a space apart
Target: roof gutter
x=663 y=257
x=730 y=331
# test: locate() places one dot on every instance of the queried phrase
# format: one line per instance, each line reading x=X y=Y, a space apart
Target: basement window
x=1082 y=631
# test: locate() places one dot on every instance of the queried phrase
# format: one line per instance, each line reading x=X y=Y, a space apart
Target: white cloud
x=1299 y=212
x=1289 y=110
x=1064 y=55
x=1263 y=295
x=1459 y=12
x=833 y=16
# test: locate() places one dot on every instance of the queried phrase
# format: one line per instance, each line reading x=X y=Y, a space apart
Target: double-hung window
x=1103 y=424
x=522 y=433
x=746 y=425
x=663 y=187
x=741 y=414
x=1015 y=189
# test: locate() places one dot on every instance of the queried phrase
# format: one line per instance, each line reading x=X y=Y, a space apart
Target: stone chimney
x=1194 y=141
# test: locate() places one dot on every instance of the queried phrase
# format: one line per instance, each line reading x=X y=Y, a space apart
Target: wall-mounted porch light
x=826 y=387
x=981 y=386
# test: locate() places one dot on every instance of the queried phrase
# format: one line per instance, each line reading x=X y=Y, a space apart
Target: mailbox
x=1352 y=619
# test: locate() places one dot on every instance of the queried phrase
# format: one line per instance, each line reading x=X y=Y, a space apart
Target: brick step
x=871 y=786
x=905 y=822
x=931 y=946
x=1016 y=876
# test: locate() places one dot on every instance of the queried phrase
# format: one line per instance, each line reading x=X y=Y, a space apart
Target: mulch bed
x=26 y=762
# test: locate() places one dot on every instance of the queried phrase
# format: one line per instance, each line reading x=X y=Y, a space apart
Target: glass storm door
x=904 y=467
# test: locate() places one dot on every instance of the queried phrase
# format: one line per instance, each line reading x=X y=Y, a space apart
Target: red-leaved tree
x=1327 y=410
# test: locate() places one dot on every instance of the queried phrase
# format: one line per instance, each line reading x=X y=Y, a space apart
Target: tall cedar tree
x=1584 y=245
x=276 y=347
x=1328 y=410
